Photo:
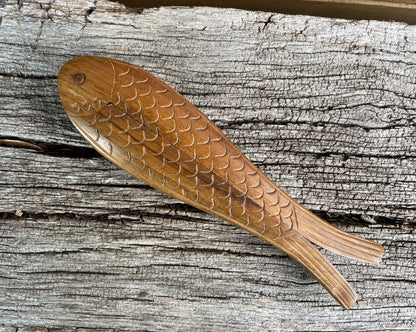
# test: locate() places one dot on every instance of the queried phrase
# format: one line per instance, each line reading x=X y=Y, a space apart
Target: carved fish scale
x=147 y=128
x=182 y=152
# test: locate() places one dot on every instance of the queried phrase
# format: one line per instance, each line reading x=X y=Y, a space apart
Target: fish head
x=85 y=83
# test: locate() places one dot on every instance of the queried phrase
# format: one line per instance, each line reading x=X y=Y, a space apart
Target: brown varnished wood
x=147 y=128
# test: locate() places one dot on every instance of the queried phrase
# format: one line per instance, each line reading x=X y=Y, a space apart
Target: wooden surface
x=325 y=107
x=387 y=10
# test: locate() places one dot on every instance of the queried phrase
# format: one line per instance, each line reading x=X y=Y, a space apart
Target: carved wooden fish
x=144 y=126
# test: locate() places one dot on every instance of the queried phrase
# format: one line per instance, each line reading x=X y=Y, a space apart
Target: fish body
x=147 y=128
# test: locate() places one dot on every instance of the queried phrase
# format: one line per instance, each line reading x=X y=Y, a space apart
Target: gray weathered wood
x=325 y=107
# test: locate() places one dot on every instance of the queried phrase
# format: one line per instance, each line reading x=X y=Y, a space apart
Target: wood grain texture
x=325 y=107
x=390 y=10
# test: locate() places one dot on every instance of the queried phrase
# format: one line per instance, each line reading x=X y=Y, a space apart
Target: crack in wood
x=182 y=211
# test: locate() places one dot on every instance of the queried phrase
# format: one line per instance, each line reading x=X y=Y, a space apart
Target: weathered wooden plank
x=390 y=10
x=338 y=119
x=188 y=272
x=326 y=107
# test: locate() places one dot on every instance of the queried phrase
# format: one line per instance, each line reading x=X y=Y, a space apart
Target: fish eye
x=78 y=78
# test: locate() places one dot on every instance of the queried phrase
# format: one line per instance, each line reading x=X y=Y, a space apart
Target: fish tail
x=306 y=254
x=333 y=239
